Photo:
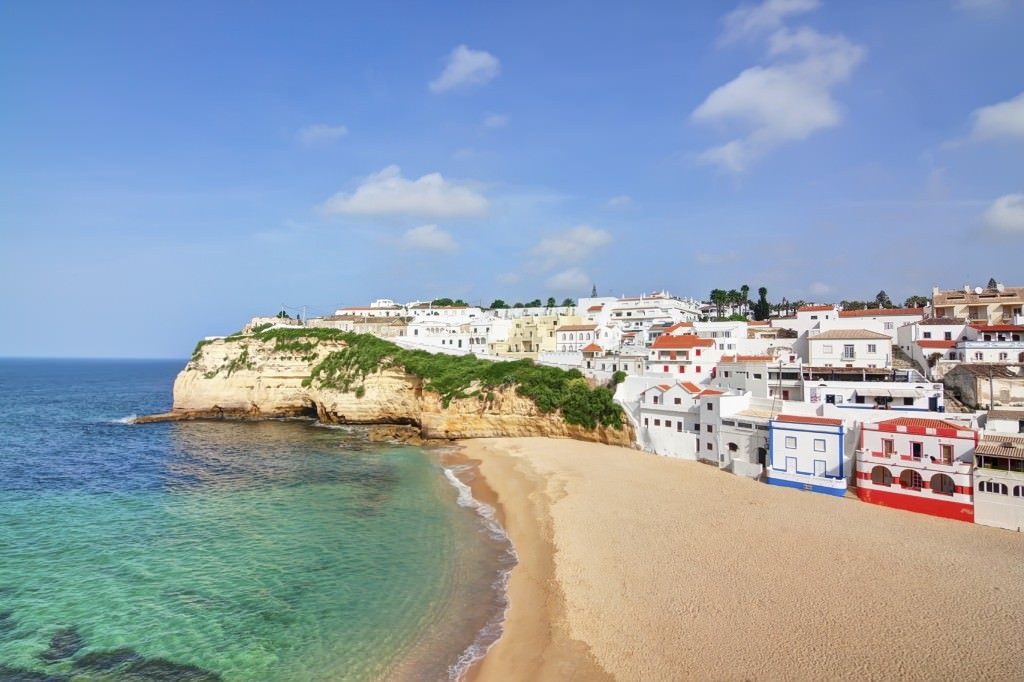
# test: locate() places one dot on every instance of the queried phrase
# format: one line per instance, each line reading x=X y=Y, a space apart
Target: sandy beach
x=637 y=567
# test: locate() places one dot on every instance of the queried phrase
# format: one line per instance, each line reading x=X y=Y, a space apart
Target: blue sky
x=168 y=170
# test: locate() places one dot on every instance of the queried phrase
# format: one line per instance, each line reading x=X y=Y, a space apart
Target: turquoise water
x=268 y=551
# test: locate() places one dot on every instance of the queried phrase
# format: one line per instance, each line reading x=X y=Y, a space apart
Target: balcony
x=921 y=463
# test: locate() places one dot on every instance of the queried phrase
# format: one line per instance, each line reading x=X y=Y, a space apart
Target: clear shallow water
x=268 y=551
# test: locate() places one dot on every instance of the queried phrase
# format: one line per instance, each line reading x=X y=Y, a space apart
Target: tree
x=498 y=304
x=283 y=315
x=882 y=299
x=853 y=305
x=916 y=302
x=733 y=298
x=992 y=283
x=568 y=303
x=551 y=301
x=518 y=305
x=442 y=302
x=718 y=299
x=593 y=291
x=762 y=309
x=745 y=292
x=535 y=303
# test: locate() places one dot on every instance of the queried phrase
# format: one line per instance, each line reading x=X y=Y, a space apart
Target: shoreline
x=633 y=566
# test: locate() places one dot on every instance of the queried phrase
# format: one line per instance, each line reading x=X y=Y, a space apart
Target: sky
x=170 y=169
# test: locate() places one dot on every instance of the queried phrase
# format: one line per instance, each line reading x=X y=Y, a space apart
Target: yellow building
x=532 y=335
x=1001 y=305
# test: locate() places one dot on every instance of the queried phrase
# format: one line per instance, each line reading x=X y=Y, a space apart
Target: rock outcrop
x=247 y=378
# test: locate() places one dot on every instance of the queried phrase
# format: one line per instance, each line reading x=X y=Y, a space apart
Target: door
x=819 y=467
x=933 y=404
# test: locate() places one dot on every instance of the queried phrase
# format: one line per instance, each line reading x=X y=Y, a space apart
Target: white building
x=999 y=481
x=572 y=338
x=808 y=453
x=1006 y=421
x=682 y=358
x=849 y=348
x=882 y=320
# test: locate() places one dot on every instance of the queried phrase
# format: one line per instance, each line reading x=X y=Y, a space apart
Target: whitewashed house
x=999 y=481
x=808 y=453
x=849 y=348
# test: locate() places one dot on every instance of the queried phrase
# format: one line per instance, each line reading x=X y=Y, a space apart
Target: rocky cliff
x=249 y=377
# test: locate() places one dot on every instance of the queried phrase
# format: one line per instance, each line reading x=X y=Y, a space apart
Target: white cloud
x=750 y=20
x=1006 y=214
x=787 y=100
x=572 y=280
x=1005 y=119
x=388 y=193
x=496 y=120
x=320 y=133
x=715 y=258
x=466 y=68
x=620 y=201
x=508 y=278
x=429 y=238
x=571 y=246
x=819 y=288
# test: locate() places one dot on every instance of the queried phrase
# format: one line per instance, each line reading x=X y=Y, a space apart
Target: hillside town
x=919 y=407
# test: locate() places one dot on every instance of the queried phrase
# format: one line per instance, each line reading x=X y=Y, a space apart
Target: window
x=655 y=400
x=946 y=453
x=881 y=476
x=698 y=352
x=679 y=426
x=848 y=353
x=941 y=484
x=910 y=480
x=666 y=368
x=888 y=325
x=710 y=407
x=756 y=375
x=668 y=423
x=819 y=445
x=710 y=428
x=908 y=401
x=927 y=335
x=1003 y=356
x=978 y=356
x=826 y=349
x=916 y=450
x=698 y=369
x=726 y=374
x=859 y=399
x=678 y=401
x=733 y=447
x=646 y=423
x=791 y=442
x=872 y=348
x=1018 y=491
x=992 y=487
x=948 y=336
x=709 y=446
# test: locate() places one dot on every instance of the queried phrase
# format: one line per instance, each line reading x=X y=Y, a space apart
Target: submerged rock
x=64 y=644
x=159 y=669
x=106 y=661
x=8 y=674
x=7 y=623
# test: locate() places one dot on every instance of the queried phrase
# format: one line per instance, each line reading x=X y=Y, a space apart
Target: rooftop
x=800 y=419
x=935 y=343
x=815 y=308
x=998 y=445
x=985 y=370
x=577 y=328
x=746 y=358
x=998 y=327
x=881 y=312
x=942 y=320
x=848 y=334
x=974 y=297
x=1006 y=414
x=591 y=348
x=923 y=423
x=666 y=341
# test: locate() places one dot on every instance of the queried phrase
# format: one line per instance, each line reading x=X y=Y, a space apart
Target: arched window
x=941 y=484
x=881 y=476
x=733 y=447
x=1018 y=491
x=992 y=487
x=910 y=480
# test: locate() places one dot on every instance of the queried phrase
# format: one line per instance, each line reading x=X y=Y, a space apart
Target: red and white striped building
x=917 y=464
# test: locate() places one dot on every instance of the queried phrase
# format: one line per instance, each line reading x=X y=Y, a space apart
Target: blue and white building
x=808 y=453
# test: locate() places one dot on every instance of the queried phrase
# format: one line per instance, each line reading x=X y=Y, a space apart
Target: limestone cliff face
x=246 y=378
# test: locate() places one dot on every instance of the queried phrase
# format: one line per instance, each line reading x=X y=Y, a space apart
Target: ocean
x=279 y=550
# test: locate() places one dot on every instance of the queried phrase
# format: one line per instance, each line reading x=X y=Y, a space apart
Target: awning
x=906 y=393
x=879 y=392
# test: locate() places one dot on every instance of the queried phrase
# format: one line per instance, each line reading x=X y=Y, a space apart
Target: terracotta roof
x=690 y=387
x=679 y=325
x=758 y=322
x=592 y=348
x=577 y=328
x=800 y=419
x=1006 y=414
x=1001 y=445
x=664 y=387
x=923 y=423
x=935 y=343
x=998 y=327
x=881 y=312
x=848 y=334
x=746 y=358
x=686 y=341
x=710 y=391
x=942 y=320
x=815 y=308
x=595 y=308
x=980 y=369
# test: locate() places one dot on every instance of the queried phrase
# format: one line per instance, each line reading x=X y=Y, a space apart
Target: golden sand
x=637 y=567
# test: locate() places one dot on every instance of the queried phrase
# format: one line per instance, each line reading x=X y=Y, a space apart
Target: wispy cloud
x=320 y=134
x=572 y=280
x=787 y=100
x=388 y=193
x=819 y=289
x=619 y=202
x=1002 y=120
x=748 y=20
x=572 y=246
x=496 y=120
x=981 y=5
x=1006 y=215
x=466 y=68
x=429 y=238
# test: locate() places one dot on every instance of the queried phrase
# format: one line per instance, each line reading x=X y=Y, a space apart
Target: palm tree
x=734 y=298
x=745 y=291
x=718 y=297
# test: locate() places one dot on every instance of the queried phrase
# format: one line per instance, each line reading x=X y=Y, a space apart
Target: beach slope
x=641 y=567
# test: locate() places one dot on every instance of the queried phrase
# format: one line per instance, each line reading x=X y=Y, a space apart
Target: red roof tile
x=592 y=348
x=711 y=391
x=814 y=308
x=690 y=387
x=746 y=358
x=595 y=308
x=935 y=343
x=881 y=312
x=800 y=419
x=923 y=423
x=685 y=341
x=678 y=325
x=998 y=327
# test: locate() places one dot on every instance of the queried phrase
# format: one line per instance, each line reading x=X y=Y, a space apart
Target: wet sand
x=637 y=567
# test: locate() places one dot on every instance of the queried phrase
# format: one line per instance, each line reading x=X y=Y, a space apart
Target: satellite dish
x=978 y=290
